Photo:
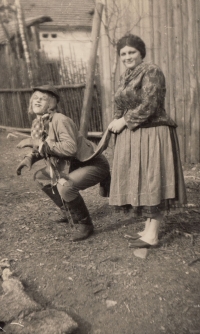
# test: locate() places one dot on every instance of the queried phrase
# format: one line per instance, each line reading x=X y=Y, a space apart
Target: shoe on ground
x=133 y=236
x=82 y=232
x=141 y=244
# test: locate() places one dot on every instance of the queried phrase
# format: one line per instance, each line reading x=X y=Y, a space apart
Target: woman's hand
x=117 y=125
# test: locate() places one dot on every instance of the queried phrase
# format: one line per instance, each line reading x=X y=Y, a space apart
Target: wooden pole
x=87 y=100
x=22 y=33
x=105 y=72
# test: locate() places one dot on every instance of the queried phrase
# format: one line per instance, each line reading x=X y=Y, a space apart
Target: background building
x=69 y=33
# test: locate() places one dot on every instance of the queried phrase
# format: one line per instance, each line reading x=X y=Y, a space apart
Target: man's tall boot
x=52 y=192
x=84 y=226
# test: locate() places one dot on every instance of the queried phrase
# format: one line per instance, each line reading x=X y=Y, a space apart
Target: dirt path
x=159 y=294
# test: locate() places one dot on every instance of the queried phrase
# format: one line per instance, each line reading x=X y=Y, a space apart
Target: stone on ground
x=48 y=321
x=14 y=301
x=24 y=316
x=141 y=252
x=110 y=303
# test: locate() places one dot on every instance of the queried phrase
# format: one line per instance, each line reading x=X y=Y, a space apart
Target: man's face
x=40 y=103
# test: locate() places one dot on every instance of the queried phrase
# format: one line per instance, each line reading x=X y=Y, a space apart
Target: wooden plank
x=92 y=134
x=192 y=60
x=164 y=53
x=20 y=110
x=156 y=31
x=151 y=24
x=136 y=17
x=3 y=109
x=11 y=129
x=16 y=90
x=87 y=101
x=178 y=70
x=198 y=63
x=186 y=81
x=171 y=54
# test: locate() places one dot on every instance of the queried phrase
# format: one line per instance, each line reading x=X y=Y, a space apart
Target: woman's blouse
x=140 y=97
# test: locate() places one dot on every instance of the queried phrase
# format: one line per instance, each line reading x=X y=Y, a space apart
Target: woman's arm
x=152 y=96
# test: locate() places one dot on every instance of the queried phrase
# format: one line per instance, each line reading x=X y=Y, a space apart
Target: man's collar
x=48 y=116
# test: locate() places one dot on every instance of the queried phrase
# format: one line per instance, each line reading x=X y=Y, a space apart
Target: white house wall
x=76 y=44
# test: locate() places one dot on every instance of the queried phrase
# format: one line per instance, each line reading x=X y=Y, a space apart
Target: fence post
x=87 y=100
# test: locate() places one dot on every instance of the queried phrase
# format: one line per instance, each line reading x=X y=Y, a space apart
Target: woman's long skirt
x=147 y=175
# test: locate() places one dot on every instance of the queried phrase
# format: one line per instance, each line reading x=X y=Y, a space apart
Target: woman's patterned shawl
x=140 y=97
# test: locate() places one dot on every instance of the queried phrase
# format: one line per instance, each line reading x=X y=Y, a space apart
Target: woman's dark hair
x=133 y=41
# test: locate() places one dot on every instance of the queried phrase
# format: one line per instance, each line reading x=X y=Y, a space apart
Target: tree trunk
x=22 y=34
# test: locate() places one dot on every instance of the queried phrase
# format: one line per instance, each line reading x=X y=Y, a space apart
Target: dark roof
x=11 y=26
x=64 y=13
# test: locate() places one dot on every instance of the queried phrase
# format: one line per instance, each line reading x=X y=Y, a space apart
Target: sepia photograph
x=100 y=166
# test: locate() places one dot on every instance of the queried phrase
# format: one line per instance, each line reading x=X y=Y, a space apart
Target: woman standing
x=147 y=175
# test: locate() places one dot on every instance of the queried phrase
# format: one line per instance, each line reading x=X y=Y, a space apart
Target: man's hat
x=48 y=89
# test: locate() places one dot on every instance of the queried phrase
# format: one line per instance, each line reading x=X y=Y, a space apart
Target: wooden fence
x=171 y=32
x=14 y=106
x=67 y=74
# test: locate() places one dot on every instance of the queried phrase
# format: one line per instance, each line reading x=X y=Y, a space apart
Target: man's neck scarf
x=40 y=127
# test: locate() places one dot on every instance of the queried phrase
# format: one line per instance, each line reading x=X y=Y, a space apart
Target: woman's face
x=130 y=57
x=40 y=103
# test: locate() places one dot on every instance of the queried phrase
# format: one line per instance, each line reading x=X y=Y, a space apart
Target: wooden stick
x=87 y=101
x=16 y=90
x=92 y=134
x=21 y=134
x=11 y=129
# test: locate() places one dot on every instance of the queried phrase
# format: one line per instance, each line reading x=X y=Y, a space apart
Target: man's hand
x=44 y=149
x=117 y=125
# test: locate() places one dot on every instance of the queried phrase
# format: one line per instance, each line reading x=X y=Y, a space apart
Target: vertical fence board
x=197 y=65
x=186 y=80
x=178 y=72
x=192 y=61
x=151 y=36
x=171 y=55
x=22 y=121
x=156 y=31
x=164 y=56
x=135 y=12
